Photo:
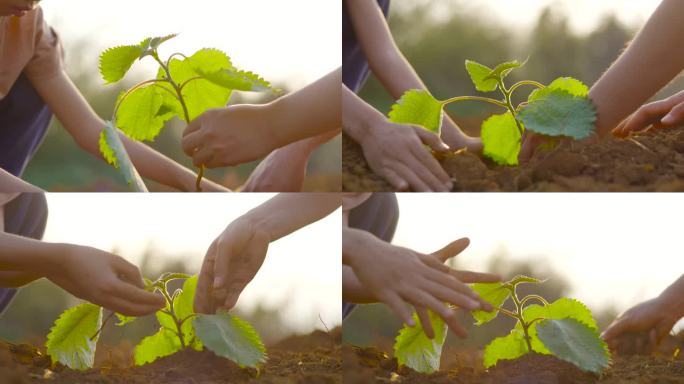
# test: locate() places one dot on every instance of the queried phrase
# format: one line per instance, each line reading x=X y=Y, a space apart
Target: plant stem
x=102 y=326
x=533 y=297
x=509 y=105
x=474 y=98
x=178 y=89
x=521 y=319
x=526 y=82
x=178 y=322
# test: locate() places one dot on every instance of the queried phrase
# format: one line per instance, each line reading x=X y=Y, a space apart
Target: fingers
x=675 y=117
x=425 y=322
x=645 y=117
x=205 y=282
x=447 y=314
x=452 y=249
x=615 y=329
x=136 y=295
x=446 y=295
x=409 y=174
x=436 y=177
x=430 y=139
x=470 y=277
x=194 y=125
x=128 y=272
x=192 y=139
x=397 y=305
x=397 y=181
x=128 y=308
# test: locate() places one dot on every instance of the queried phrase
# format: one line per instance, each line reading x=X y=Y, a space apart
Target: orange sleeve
x=47 y=60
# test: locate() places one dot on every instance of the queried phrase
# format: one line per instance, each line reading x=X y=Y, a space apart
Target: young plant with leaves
x=72 y=341
x=185 y=87
x=560 y=109
x=564 y=328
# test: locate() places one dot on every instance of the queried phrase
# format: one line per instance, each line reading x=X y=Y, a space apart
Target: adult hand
x=395 y=275
x=284 y=170
x=397 y=153
x=104 y=279
x=658 y=114
x=653 y=319
x=230 y=136
x=456 y=139
x=231 y=262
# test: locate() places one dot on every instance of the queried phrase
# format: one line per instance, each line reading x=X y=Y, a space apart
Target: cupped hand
x=641 y=327
x=658 y=114
x=231 y=262
x=396 y=275
x=397 y=153
x=229 y=136
x=104 y=279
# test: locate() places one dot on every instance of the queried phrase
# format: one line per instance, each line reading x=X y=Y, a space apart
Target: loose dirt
x=314 y=358
x=649 y=161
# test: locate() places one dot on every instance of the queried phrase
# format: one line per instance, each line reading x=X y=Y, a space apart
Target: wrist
x=672 y=301
x=355 y=244
x=364 y=125
x=280 y=122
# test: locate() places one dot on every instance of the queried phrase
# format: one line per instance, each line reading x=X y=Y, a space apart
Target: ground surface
x=314 y=358
x=650 y=161
x=370 y=365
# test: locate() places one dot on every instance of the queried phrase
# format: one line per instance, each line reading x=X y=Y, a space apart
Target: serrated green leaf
x=230 y=337
x=236 y=80
x=114 y=152
x=478 y=73
x=573 y=341
x=520 y=279
x=418 y=107
x=168 y=276
x=123 y=319
x=557 y=112
x=210 y=60
x=501 y=139
x=69 y=341
x=138 y=115
x=162 y=343
x=508 y=347
x=495 y=294
x=560 y=309
x=183 y=306
x=502 y=70
x=151 y=44
x=568 y=84
x=116 y=61
x=415 y=350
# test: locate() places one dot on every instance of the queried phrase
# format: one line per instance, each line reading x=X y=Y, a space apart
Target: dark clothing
x=24 y=119
x=355 y=68
x=25 y=216
x=378 y=215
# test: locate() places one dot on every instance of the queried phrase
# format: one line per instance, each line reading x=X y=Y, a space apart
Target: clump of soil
x=650 y=161
x=314 y=358
x=371 y=365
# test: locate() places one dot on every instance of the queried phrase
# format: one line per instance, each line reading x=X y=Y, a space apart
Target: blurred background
x=578 y=38
x=610 y=251
x=296 y=291
x=279 y=40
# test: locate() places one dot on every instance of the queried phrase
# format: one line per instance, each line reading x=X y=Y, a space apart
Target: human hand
x=104 y=279
x=284 y=170
x=395 y=275
x=230 y=136
x=658 y=114
x=456 y=139
x=231 y=262
x=397 y=153
x=642 y=327
x=16 y=279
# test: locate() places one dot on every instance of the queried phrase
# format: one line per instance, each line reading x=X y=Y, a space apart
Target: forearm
x=651 y=61
x=288 y=212
x=312 y=111
x=21 y=254
x=11 y=184
x=353 y=290
x=307 y=146
x=359 y=117
x=357 y=244
x=674 y=296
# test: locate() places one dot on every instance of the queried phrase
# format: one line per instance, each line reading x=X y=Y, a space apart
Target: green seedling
x=561 y=109
x=72 y=341
x=184 y=87
x=565 y=329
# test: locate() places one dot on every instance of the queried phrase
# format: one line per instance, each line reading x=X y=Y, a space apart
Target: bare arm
x=652 y=60
x=10 y=183
x=83 y=124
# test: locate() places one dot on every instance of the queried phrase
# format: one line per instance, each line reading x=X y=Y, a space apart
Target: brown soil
x=370 y=365
x=314 y=358
x=650 y=161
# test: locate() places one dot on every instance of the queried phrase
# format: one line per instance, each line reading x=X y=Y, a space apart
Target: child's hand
x=397 y=153
x=653 y=319
x=283 y=170
x=396 y=275
x=658 y=114
x=231 y=262
x=230 y=136
x=103 y=279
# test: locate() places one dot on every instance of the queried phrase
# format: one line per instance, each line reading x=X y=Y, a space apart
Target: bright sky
x=584 y=14
x=293 y=41
x=614 y=249
x=302 y=270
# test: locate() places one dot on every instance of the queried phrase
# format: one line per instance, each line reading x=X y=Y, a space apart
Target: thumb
x=430 y=139
x=194 y=125
x=452 y=249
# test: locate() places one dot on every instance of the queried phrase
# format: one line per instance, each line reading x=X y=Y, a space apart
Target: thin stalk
x=533 y=297
x=171 y=313
x=521 y=319
x=526 y=82
x=102 y=326
x=475 y=98
x=138 y=86
x=178 y=89
x=509 y=105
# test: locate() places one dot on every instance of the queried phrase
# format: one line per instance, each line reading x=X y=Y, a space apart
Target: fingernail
x=473 y=304
x=218 y=283
x=669 y=119
x=444 y=147
x=449 y=186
